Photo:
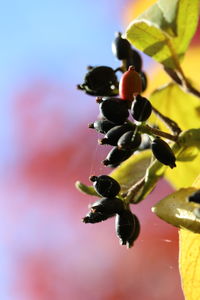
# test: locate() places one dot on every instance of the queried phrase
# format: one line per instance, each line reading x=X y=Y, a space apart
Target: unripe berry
x=121 y=47
x=114 y=110
x=105 y=185
x=141 y=109
x=130 y=84
x=163 y=152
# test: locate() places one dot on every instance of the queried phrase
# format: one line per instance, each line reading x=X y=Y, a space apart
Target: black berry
x=114 y=110
x=102 y=126
x=96 y=217
x=141 y=109
x=135 y=232
x=163 y=152
x=116 y=156
x=144 y=81
x=100 y=81
x=113 y=135
x=121 y=47
x=129 y=140
x=108 y=206
x=124 y=226
x=105 y=185
x=134 y=59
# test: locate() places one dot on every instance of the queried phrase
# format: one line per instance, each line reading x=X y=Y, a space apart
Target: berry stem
x=153 y=131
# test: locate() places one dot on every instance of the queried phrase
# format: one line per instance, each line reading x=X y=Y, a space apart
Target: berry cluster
x=127 y=225
x=123 y=113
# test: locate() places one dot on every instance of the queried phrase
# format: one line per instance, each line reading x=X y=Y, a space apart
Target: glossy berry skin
x=124 y=226
x=134 y=59
x=130 y=84
x=114 y=110
x=108 y=206
x=163 y=152
x=105 y=185
x=129 y=140
x=116 y=156
x=102 y=126
x=113 y=135
x=135 y=232
x=96 y=217
x=121 y=47
x=195 y=197
x=141 y=109
x=99 y=81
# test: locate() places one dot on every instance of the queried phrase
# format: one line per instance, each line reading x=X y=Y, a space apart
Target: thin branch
x=153 y=131
x=172 y=125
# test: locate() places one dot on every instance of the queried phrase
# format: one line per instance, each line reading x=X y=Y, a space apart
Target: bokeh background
x=46 y=252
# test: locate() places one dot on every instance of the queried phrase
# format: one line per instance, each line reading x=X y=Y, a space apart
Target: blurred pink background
x=46 y=252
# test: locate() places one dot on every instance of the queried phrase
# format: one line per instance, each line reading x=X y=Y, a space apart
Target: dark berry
x=102 y=126
x=108 y=206
x=163 y=152
x=141 y=109
x=105 y=185
x=129 y=140
x=195 y=197
x=113 y=135
x=134 y=59
x=124 y=226
x=121 y=47
x=130 y=84
x=100 y=81
x=144 y=81
x=135 y=232
x=114 y=110
x=116 y=156
x=96 y=217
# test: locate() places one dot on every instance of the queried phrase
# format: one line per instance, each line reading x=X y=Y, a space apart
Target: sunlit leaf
x=172 y=101
x=175 y=209
x=132 y=170
x=165 y=27
x=189 y=260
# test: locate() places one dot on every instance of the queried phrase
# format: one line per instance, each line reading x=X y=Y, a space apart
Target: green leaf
x=182 y=107
x=132 y=170
x=176 y=210
x=165 y=30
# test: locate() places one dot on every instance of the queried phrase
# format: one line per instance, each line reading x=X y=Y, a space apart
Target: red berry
x=130 y=84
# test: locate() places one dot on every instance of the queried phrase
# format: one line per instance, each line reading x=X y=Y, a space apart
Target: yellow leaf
x=189 y=260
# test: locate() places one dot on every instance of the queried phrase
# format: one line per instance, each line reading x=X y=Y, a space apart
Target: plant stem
x=153 y=131
x=180 y=78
